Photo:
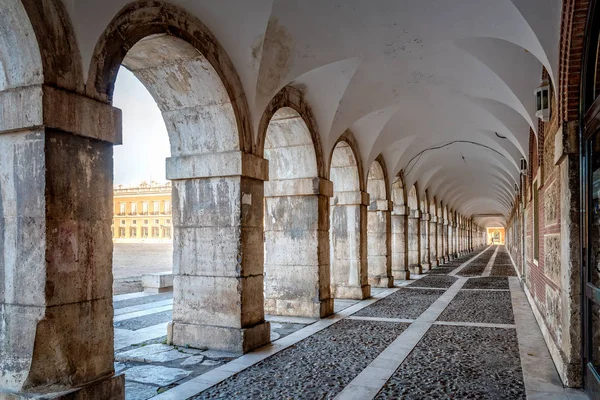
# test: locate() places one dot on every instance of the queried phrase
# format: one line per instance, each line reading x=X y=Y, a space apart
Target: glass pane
x=595 y=339
x=597 y=73
x=594 y=226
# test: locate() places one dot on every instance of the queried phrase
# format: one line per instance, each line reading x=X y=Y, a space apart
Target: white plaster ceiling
x=403 y=75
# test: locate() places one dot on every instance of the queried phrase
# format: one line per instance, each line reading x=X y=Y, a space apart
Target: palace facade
x=142 y=213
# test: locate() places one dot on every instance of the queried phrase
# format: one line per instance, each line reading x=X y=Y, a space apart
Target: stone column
x=414 y=241
x=218 y=291
x=455 y=233
x=400 y=269
x=440 y=241
x=56 y=208
x=425 y=263
x=297 y=276
x=433 y=241
x=349 y=277
x=379 y=253
x=447 y=232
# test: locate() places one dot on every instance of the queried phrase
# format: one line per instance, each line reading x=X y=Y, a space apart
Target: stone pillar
x=348 y=241
x=455 y=233
x=433 y=241
x=425 y=263
x=414 y=241
x=447 y=232
x=56 y=208
x=440 y=241
x=379 y=252
x=400 y=269
x=297 y=276
x=218 y=291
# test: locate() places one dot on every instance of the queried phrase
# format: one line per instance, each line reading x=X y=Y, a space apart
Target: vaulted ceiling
x=442 y=89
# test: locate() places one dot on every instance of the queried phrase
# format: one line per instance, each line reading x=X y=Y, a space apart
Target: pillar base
x=381 y=281
x=401 y=275
x=108 y=388
x=351 y=292
x=415 y=269
x=425 y=267
x=235 y=340
x=299 y=308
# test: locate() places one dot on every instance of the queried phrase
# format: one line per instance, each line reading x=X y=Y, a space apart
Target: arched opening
x=447 y=230
x=141 y=228
x=296 y=221
x=379 y=228
x=400 y=270
x=348 y=215
x=414 y=231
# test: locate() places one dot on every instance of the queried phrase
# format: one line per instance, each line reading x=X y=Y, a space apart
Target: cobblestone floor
x=316 y=368
x=453 y=359
x=456 y=362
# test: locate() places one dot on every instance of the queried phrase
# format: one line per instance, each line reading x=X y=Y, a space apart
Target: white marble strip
x=125 y=338
x=217 y=375
x=488 y=268
x=488 y=290
x=476 y=324
x=369 y=382
x=541 y=378
x=143 y=313
x=143 y=307
x=423 y=287
x=127 y=296
x=381 y=319
x=464 y=265
x=290 y=320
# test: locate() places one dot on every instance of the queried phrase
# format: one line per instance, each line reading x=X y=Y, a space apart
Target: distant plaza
x=142 y=213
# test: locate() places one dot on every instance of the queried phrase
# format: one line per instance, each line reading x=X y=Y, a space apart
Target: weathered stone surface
x=155 y=375
x=552 y=257
x=151 y=353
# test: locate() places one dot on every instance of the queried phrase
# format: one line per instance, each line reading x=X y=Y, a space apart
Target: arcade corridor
x=335 y=166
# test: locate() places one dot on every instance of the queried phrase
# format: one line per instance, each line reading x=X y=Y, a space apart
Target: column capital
x=425 y=216
x=414 y=213
x=42 y=106
x=212 y=165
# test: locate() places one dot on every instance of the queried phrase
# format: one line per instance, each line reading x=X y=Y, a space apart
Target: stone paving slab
x=405 y=303
x=139 y=391
x=151 y=353
x=492 y=282
x=480 y=306
x=453 y=362
x=156 y=375
x=133 y=324
x=503 y=270
x=316 y=368
x=434 y=281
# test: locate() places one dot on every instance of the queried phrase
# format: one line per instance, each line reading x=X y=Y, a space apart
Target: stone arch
x=290 y=97
x=186 y=70
x=217 y=184
x=297 y=276
x=348 y=217
x=379 y=226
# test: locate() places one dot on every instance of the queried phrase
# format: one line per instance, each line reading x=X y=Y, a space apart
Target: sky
x=145 y=146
